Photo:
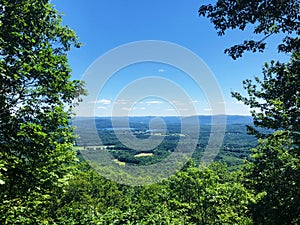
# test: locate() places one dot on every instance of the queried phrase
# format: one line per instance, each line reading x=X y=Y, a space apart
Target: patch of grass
x=143 y=155
x=119 y=162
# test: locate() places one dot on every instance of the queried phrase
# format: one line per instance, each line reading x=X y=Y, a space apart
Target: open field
x=143 y=155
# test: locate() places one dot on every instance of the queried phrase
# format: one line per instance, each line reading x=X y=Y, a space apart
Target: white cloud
x=153 y=102
x=161 y=70
x=102 y=101
x=101 y=107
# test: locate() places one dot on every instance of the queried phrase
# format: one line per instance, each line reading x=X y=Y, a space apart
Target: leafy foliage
x=276 y=173
x=275 y=99
x=206 y=195
x=265 y=17
x=36 y=99
x=274 y=103
x=210 y=195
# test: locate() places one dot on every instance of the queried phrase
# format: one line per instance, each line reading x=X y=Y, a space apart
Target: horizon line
x=165 y=116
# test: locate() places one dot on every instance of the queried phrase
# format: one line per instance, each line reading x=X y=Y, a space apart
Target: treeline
x=195 y=195
x=236 y=148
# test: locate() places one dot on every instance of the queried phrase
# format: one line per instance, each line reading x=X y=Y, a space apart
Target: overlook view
x=150 y=112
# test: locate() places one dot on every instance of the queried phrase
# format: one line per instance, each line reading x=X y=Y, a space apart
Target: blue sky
x=103 y=25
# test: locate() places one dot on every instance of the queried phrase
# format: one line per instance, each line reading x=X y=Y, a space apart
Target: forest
x=46 y=176
x=236 y=147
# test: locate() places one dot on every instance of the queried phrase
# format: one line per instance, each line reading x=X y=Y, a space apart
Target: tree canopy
x=36 y=99
x=274 y=102
x=263 y=17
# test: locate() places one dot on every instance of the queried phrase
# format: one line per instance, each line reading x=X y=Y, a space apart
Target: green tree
x=274 y=100
x=275 y=173
x=87 y=198
x=264 y=17
x=210 y=195
x=36 y=99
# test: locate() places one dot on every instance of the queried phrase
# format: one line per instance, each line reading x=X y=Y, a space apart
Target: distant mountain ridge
x=106 y=122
